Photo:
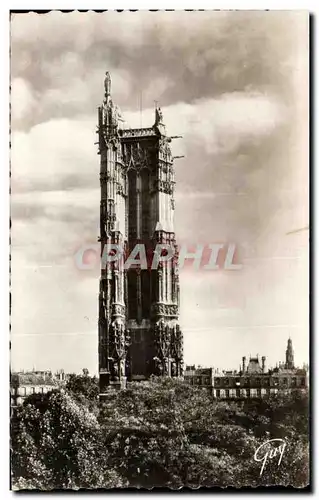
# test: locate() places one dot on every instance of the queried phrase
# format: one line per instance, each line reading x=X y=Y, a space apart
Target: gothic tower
x=289 y=355
x=139 y=334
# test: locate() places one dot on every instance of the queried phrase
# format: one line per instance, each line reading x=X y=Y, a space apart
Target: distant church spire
x=289 y=355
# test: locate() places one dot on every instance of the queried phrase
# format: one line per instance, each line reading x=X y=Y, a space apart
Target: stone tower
x=289 y=355
x=139 y=334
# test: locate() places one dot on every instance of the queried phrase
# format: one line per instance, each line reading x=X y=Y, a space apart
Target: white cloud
x=23 y=101
x=220 y=125
x=52 y=152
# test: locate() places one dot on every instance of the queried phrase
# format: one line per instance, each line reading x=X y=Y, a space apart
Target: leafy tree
x=56 y=443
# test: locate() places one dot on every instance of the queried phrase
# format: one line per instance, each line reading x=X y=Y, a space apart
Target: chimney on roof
x=263 y=363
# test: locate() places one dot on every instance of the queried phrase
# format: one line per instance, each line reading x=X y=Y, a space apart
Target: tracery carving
x=160 y=309
x=137 y=157
x=163 y=339
x=118 y=310
x=164 y=186
x=177 y=343
x=119 y=343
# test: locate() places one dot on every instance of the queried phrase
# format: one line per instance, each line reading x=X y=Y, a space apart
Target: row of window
x=199 y=380
x=243 y=393
x=28 y=390
x=251 y=382
x=273 y=381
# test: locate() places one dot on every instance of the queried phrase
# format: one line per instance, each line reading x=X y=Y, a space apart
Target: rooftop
x=20 y=379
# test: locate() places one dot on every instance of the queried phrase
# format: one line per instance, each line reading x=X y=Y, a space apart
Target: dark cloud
x=193 y=54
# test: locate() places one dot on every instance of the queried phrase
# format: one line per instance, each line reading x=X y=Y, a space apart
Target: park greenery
x=160 y=433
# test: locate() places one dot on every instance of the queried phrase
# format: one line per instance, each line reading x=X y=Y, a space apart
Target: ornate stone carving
x=118 y=310
x=165 y=151
x=105 y=177
x=138 y=157
x=162 y=339
x=159 y=309
x=163 y=186
x=119 y=341
x=173 y=310
x=177 y=343
x=120 y=189
x=167 y=187
x=116 y=114
x=111 y=217
x=137 y=132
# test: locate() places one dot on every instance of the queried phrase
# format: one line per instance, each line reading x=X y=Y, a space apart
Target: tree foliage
x=83 y=388
x=156 y=433
x=56 y=443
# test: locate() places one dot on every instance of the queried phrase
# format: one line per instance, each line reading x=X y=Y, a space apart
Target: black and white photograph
x=159 y=250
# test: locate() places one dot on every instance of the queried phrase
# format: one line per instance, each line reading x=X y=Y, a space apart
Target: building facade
x=139 y=333
x=23 y=384
x=201 y=377
x=252 y=380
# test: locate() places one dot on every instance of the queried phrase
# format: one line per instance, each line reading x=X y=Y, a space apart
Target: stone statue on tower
x=107 y=84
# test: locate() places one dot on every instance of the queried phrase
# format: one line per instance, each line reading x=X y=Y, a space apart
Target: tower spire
x=289 y=355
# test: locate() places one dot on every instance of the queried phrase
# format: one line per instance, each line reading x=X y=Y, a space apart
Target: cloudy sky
x=234 y=85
